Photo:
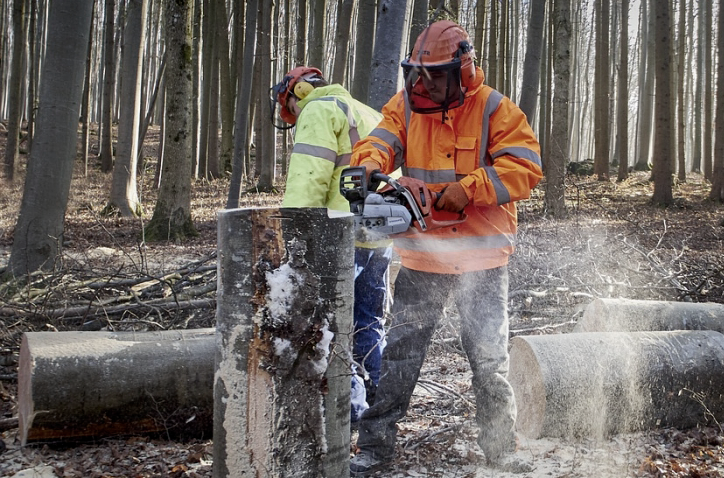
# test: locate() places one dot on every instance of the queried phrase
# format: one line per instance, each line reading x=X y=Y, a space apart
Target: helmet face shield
x=434 y=88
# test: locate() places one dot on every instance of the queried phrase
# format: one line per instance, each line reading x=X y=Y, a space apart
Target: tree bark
x=364 y=48
x=341 y=51
x=627 y=315
x=124 y=194
x=597 y=384
x=602 y=119
x=284 y=319
x=106 y=149
x=38 y=234
x=531 y=68
x=717 y=177
x=15 y=88
x=386 y=57
x=172 y=213
x=94 y=384
x=623 y=105
x=664 y=107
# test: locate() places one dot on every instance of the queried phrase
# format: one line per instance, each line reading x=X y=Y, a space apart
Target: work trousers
x=370 y=297
x=481 y=298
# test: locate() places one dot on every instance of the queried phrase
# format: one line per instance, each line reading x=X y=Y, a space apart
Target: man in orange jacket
x=475 y=147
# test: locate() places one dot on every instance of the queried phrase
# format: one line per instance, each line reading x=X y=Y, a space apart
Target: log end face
x=526 y=378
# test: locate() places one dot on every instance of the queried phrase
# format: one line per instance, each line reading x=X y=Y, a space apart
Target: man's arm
x=516 y=167
x=385 y=145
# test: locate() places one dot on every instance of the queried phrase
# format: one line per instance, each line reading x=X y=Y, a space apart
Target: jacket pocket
x=465 y=158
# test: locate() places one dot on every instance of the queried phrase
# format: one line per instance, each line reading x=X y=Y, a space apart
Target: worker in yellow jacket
x=474 y=147
x=328 y=123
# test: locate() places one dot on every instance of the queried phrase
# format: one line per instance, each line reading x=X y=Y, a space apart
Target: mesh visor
x=419 y=97
x=275 y=93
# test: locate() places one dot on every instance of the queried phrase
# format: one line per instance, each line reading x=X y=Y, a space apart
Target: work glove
x=453 y=199
x=370 y=167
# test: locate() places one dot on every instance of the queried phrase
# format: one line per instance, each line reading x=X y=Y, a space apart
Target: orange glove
x=453 y=199
x=370 y=166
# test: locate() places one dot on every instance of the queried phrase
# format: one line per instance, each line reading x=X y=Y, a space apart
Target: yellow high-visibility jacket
x=488 y=146
x=329 y=125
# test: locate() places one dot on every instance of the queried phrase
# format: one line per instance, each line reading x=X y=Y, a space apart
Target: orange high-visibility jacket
x=488 y=146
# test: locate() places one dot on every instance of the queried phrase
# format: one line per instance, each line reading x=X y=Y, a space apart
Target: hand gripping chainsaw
x=400 y=206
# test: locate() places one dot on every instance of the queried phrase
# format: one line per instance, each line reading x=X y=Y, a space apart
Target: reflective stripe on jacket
x=440 y=153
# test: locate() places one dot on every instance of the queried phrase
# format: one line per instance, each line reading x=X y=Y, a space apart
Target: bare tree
x=106 y=149
x=266 y=148
x=663 y=142
x=15 y=87
x=706 y=158
x=172 y=214
x=602 y=92
x=38 y=237
x=559 y=157
x=717 y=186
x=344 y=23
x=531 y=68
x=646 y=88
x=386 y=57
x=243 y=106
x=316 y=33
x=124 y=196
x=364 y=46
x=680 y=123
x=622 y=123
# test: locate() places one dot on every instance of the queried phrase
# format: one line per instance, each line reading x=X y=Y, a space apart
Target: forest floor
x=614 y=243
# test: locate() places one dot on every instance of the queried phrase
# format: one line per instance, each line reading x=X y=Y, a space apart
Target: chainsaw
x=400 y=206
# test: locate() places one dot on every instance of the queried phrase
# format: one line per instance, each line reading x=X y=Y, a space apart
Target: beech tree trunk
x=627 y=315
x=604 y=383
x=284 y=323
x=94 y=384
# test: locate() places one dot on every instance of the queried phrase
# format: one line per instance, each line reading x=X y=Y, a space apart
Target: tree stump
x=94 y=384
x=626 y=315
x=284 y=325
x=598 y=384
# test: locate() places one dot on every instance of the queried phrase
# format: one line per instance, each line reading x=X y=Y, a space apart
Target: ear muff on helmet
x=302 y=89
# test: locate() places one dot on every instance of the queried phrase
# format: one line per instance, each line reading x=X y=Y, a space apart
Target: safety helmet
x=298 y=82
x=442 y=46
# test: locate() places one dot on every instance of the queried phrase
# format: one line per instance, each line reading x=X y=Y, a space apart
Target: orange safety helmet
x=442 y=46
x=299 y=82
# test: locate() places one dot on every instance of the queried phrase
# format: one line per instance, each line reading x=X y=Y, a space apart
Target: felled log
x=284 y=323
x=92 y=384
x=621 y=315
x=598 y=384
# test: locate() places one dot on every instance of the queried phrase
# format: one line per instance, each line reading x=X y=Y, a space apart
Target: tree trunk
x=623 y=96
x=626 y=315
x=664 y=107
x=315 y=53
x=95 y=384
x=284 y=318
x=707 y=160
x=226 y=95
x=124 y=194
x=418 y=22
x=597 y=384
x=344 y=23
x=172 y=215
x=386 y=57
x=364 y=47
x=243 y=107
x=266 y=144
x=717 y=185
x=531 y=68
x=15 y=88
x=601 y=120
x=38 y=234
x=559 y=158
x=681 y=110
x=106 y=149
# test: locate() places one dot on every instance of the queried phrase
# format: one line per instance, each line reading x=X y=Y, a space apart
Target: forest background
x=128 y=123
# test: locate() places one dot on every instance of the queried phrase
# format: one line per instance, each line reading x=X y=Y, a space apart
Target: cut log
x=598 y=384
x=627 y=315
x=284 y=324
x=92 y=384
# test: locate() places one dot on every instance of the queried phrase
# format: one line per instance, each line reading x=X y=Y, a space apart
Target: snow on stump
x=94 y=384
x=599 y=384
x=627 y=315
x=284 y=326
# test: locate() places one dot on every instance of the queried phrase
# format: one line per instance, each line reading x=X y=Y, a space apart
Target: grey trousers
x=482 y=300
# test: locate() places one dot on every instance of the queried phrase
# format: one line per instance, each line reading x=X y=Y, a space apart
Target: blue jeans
x=370 y=296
